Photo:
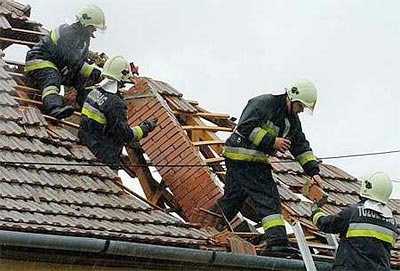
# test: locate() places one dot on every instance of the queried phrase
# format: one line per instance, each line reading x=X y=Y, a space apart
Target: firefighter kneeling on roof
x=367 y=229
x=269 y=123
x=60 y=58
x=104 y=125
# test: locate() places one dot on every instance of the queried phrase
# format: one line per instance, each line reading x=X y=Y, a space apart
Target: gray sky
x=221 y=53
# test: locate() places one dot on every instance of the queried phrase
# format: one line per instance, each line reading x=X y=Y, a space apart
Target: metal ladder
x=304 y=249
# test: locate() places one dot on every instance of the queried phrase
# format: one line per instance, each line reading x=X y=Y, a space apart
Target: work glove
x=148 y=126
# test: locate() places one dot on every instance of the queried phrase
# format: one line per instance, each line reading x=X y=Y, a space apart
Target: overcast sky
x=222 y=53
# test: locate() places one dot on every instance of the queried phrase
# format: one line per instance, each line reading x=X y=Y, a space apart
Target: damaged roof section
x=51 y=184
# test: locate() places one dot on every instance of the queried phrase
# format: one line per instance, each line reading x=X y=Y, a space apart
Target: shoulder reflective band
x=86 y=70
x=93 y=113
x=270 y=221
x=306 y=157
x=371 y=230
x=243 y=154
x=55 y=35
x=316 y=216
x=39 y=64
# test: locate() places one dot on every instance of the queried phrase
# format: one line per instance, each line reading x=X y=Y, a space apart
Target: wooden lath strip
x=214 y=160
x=208 y=142
x=200 y=114
x=26 y=31
x=28 y=43
x=27 y=89
x=207 y=128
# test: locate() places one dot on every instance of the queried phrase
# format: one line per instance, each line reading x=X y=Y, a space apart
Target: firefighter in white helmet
x=60 y=58
x=269 y=123
x=367 y=230
x=104 y=125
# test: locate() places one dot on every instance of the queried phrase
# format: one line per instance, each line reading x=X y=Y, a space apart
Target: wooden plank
x=28 y=31
x=208 y=128
x=200 y=114
x=214 y=160
x=208 y=142
x=29 y=43
x=28 y=89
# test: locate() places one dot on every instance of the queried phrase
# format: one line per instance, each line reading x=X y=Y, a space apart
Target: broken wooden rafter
x=207 y=128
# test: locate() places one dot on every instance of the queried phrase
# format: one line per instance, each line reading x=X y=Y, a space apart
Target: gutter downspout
x=156 y=252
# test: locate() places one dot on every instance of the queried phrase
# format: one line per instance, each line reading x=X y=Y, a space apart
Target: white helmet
x=376 y=186
x=92 y=15
x=303 y=91
x=117 y=68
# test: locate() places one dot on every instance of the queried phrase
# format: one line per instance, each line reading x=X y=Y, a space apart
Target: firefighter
x=367 y=229
x=104 y=126
x=269 y=123
x=60 y=58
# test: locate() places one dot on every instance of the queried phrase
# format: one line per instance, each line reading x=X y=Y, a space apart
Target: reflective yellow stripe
x=259 y=137
x=53 y=36
x=307 y=158
x=317 y=216
x=370 y=233
x=88 y=71
x=273 y=223
x=40 y=65
x=49 y=92
x=245 y=157
x=93 y=116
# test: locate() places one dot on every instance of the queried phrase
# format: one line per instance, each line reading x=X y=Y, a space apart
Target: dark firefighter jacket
x=65 y=49
x=366 y=237
x=264 y=118
x=104 y=126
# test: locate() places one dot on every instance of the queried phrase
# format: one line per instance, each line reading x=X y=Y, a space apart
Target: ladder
x=304 y=249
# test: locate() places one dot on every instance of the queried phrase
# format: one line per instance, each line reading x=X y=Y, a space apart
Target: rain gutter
x=155 y=252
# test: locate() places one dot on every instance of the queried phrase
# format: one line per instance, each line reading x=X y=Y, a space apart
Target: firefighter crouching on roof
x=104 y=125
x=269 y=123
x=59 y=58
x=367 y=229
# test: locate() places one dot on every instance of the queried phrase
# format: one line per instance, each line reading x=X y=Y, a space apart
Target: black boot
x=53 y=105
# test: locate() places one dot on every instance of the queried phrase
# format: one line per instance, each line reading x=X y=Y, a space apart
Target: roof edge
x=207 y=258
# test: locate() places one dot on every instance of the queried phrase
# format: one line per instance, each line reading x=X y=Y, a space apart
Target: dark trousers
x=43 y=78
x=253 y=180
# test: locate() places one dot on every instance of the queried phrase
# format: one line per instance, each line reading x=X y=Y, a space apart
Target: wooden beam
x=208 y=128
x=28 y=43
x=200 y=114
x=28 y=89
x=214 y=160
x=28 y=31
x=208 y=142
